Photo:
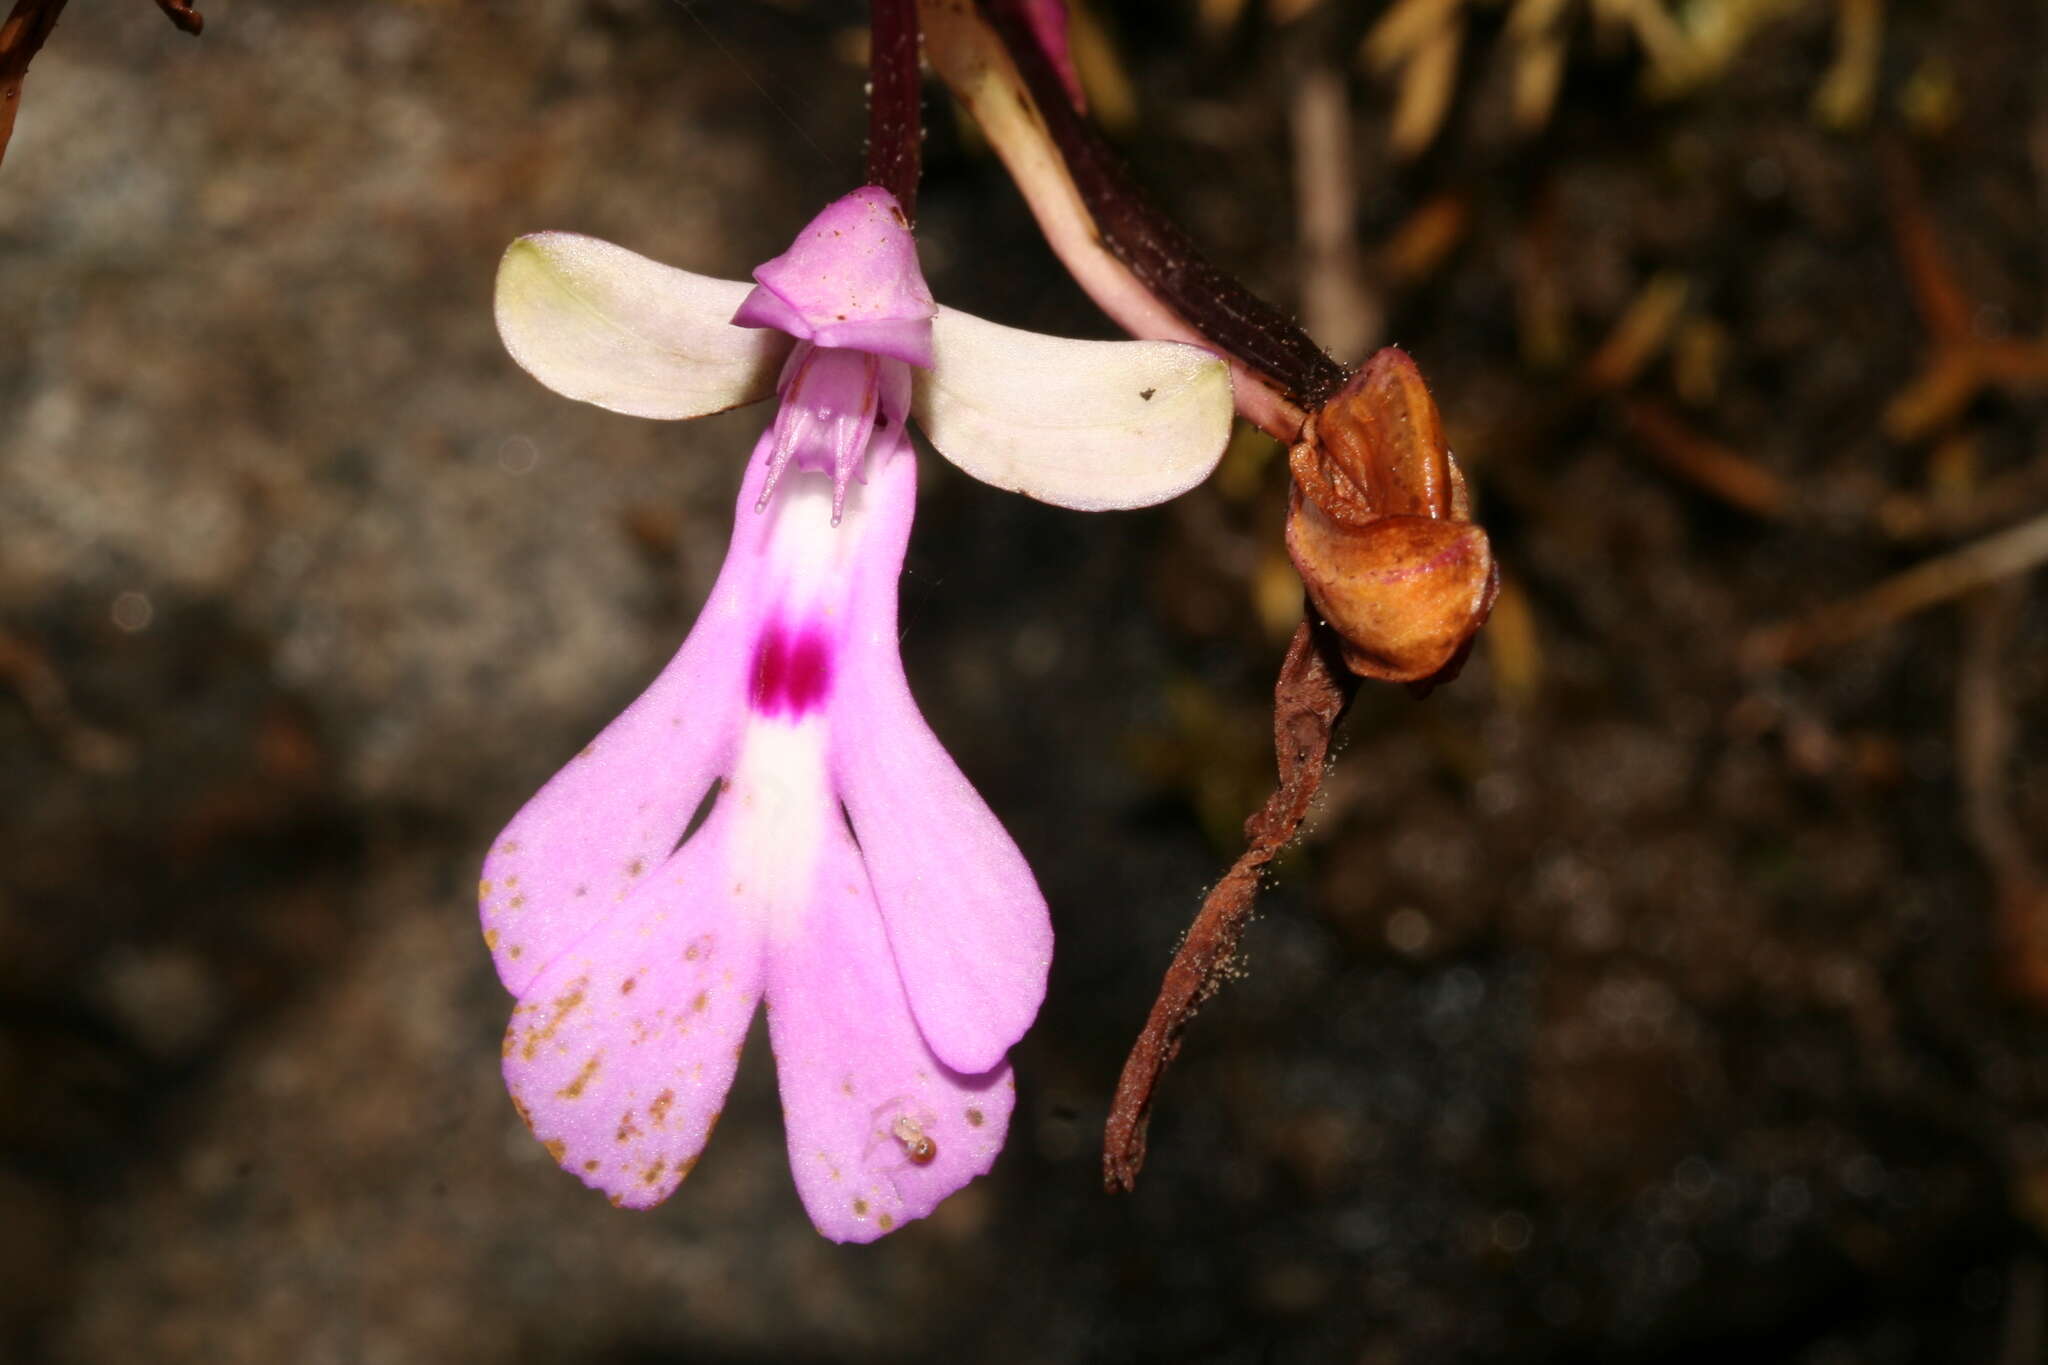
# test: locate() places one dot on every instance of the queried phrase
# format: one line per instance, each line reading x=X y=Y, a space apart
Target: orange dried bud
x=1379 y=525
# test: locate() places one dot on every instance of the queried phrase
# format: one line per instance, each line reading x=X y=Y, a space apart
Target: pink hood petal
x=850 y=280
x=880 y=1130
x=620 y=1053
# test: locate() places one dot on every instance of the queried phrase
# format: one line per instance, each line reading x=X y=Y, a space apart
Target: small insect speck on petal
x=921 y=1150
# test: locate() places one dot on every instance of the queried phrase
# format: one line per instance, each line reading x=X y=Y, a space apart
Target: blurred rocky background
x=1670 y=988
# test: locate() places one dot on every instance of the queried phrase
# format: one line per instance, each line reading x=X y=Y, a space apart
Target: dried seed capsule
x=1379 y=526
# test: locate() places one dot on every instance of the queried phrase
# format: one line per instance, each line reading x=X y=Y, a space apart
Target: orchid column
x=846 y=869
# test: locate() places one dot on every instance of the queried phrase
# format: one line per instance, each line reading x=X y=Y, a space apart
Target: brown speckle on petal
x=574 y=1089
x=564 y=1005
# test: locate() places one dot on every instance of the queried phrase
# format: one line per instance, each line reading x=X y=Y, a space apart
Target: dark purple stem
x=1153 y=247
x=895 y=114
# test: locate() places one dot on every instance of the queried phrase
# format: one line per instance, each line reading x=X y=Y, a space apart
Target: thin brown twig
x=1984 y=729
x=1920 y=516
x=1937 y=296
x=1338 y=307
x=1960 y=365
x=28 y=27
x=26 y=671
x=1726 y=473
x=1309 y=699
x=1982 y=562
x=21 y=37
x=181 y=13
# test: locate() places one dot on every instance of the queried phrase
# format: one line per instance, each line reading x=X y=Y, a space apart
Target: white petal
x=1091 y=425
x=596 y=322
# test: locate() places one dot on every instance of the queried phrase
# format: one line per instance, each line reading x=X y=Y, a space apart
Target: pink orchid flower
x=846 y=870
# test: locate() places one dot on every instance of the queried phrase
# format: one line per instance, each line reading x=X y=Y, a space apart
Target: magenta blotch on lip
x=792 y=671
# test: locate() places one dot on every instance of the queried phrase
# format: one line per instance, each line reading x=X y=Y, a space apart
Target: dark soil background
x=1623 y=1004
